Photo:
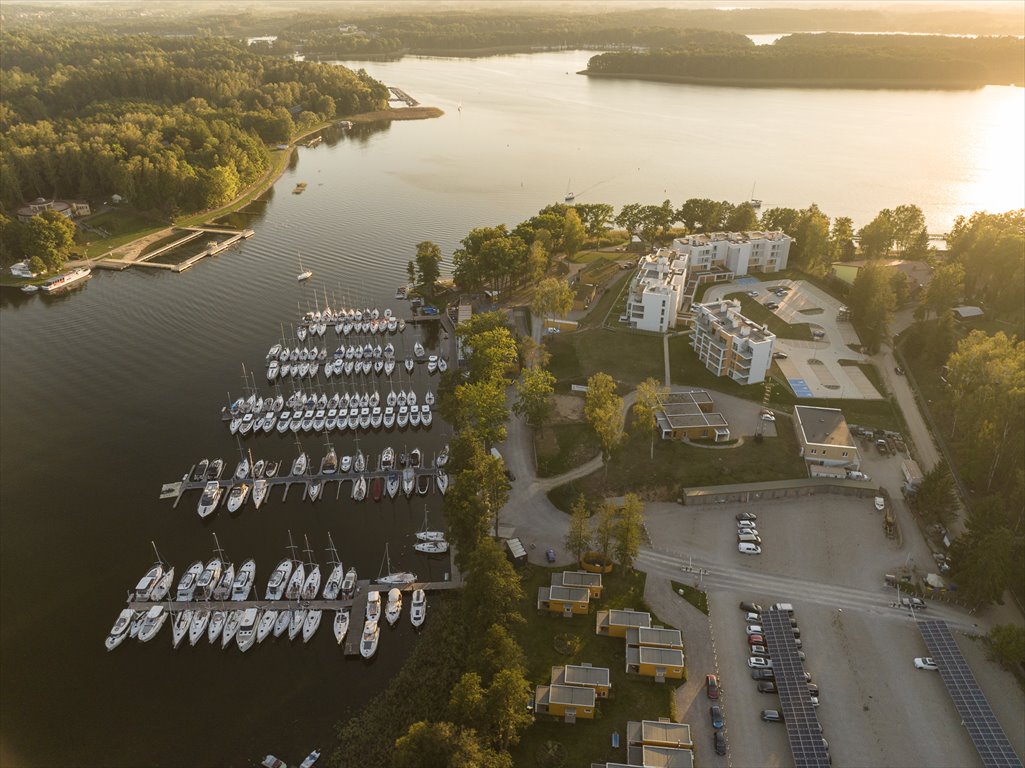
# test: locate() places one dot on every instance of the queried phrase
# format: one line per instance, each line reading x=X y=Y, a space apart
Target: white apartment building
x=656 y=291
x=728 y=344
x=738 y=252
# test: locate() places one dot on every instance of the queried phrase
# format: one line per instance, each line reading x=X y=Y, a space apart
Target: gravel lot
x=827 y=555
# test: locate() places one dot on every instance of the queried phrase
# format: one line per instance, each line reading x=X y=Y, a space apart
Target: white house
x=22 y=269
x=656 y=291
x=739 y=252
x=728 y=344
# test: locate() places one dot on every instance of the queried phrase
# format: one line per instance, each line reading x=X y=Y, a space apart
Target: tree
x=537 y=261
x=645 y=407
x=428 y=268
x=466 y=702
x=578 y=537
x=49 y=236
x=910 y=237
x=573 y=233
x=37 y=265
x=983 y=562
x=871 y=303
x=428 y=745
x=703 y=215
x=504 y=709
x=491 y=354
x=1008 y=644
x=877 y=236
x=742 y=219
x=945 y=288
x=220 y=185
x=498 y=650
x=534 y=396
x=812 y=237
x=604 y=409
x=552 y=297
x=841 y=239
x=630 y=218
x=494 y=589
x=595 y=217
x=936 y=494
x=629 y=530
x=605 y=531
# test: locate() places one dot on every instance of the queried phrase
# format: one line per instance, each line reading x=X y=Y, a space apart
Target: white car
x=926 y=663
x=766 y=416
x=749 y=549
x=754 y=629
x=552 y=330
x=759 y=662
x=880 y=503
x=753 y=618
x=753 y=294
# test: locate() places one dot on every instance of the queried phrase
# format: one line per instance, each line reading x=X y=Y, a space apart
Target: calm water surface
x=116 y=388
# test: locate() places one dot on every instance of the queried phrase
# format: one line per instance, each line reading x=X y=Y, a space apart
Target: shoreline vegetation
x=797 y=82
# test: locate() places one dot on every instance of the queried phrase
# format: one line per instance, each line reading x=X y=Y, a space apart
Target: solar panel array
x=976 y=715
x=799 y=716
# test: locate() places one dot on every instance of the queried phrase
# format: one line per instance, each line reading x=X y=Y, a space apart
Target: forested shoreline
x=172 y=125
x=821 y=60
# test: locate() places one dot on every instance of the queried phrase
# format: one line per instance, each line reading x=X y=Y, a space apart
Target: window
x=813 y=450
x=844 y=453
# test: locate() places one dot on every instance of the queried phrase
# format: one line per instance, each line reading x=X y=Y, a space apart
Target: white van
x=785 y=607
x=748 y=538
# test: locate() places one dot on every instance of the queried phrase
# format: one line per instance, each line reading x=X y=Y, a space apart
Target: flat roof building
x=690 y=416
x=826 y=443
x=565 y=600
x=741 y=253
x=614 y=622
x=728 y=344
x=661 y=637
x=660 y=757
x=596 y=678
x=659 y=663
x=586 y=579
x=656 y=291
x=658 y=733
x=566 y=701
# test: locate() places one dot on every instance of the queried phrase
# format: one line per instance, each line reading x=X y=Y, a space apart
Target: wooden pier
x=234 y=236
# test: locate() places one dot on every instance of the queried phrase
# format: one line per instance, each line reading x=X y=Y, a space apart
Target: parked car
x=754 y=629
x=759 y=662
x=550 y=555
x=753 y=294
x=813 y=689
x=880 y=503
x=898 y=370
x=746 y=548
x=763 y=674
x=759 y=650
x=926 y=663
x=719 y=739
x=429 y=310
x=752 y=607
x=552 y=329
x=749 y=538
x=854 y=475
x=766 y=416
x=755 y=640
x=818 y=334
x=814 y=701
x=779 y=355
x=712 y=686
x=772 y=305
x=750 y=516
x=715 y=712
x=753 y=618
x=766 y=687
x=771 y=716
x=746 y=524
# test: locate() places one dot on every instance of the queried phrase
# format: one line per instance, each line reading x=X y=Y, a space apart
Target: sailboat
x=341 y=625
x=393 y=578
x=304 y=274
x=754 y=202
x=570 y=197
x=425 y=535
x=333 y=585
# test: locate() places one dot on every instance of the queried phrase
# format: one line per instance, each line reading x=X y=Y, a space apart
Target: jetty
x=397 y=94
x=190 y=234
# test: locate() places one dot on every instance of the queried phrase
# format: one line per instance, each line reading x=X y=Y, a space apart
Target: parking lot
x=827 y=555
x=812 y=367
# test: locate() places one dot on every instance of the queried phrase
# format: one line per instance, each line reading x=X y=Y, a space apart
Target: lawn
x=123 y=224
x=564 y=446
x=627 y=357
x=586 y=257
x=632 y=697
x=602 y=307
x=694 y=596
x=756 y=312
x=678 y=465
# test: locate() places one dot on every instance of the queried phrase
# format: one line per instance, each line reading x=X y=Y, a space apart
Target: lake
x=116 y=388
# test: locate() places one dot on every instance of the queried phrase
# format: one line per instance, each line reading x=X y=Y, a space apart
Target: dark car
x=747 y=516
x=751 y=607
x=715 y=712
x=772 y=305
x=763 y=674
x=766 y=687
x=779 y=355
x=712 y=686
x=898 y=370
x=550 y=555
x=772 y=716
x=720 y=742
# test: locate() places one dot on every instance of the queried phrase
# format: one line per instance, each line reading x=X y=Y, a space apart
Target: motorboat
x=137 y=619
x=415 y=458
x=278 y=580
x=266 y=625
x=426 y=417
x=151 y=624
x=368 y=643
x=242 y=469
x=319 y=420
x=295 y=626
x=310 y=759
x=144 y=589
x=163 y=586
x=423 y=484
x=296 y=423
x=200 y=471
x=215 y=470
x=269 y=420
x=260 y=489
x=331 y=422
x=408 y=481
x=393 y=609
x=216 y=626
x=345 y=464
x=431 y=547
x=200 y=619
x=441 y=481
x=418 y=608
x=223 y=589
x=364 y=417
x=187 y=584
x=243 y=583
x=359 y=488
x=120 y=630
x=403 y=417
x=272 y=469
x=231 y=626
x=442 y=459
x=376 y=417
x=259 y=468
x=359 y=464
x=389 y=417
x=373 y=605
x=272 y=370
x=353 y=417
x=180 y=627
x=246 y=425
x=308 y=417
x=237 y=496
x=432 y=364
x=392 y=484
x=418 y=349
x=341 y=624
x=311 y=624
x=377 y=489
x=282 y=623
x=284 y=421
x=210 y=498
x=414 y=416
x=246 y=636
x=208 y=579
x=349 y=584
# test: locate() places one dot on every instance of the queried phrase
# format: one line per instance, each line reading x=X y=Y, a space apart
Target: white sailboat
x=394 y=578
x=427 y=535
x=304 y=274
x=333 y=585
x=341 y=624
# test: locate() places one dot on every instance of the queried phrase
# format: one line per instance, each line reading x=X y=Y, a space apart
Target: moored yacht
x=152 y=623
x=199 y=621
x=311 y=624
x=180 y=627
x=144 y=589
x=121 y=628
x=208 y=579
x=373 y=605
x=231 y=625
x=237 y=496
x=163 y=586
x=368 y=643
x=187 y=584
x=418 y=608
x=341 y=624
x=223 y=589
x=279 y=580
x=260 y=489
x=216 y=626
x=243 y=583
x=208 y=501
x=266 y=624
x=393 y=609
x=247 y=629
x=349 y=584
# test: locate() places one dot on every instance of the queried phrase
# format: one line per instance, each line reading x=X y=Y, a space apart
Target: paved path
x=665 y=348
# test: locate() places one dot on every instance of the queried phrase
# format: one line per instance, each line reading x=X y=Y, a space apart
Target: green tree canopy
x=629 y=530
x=534 y=396
x=603 y=409
x=50 y=236
x=552 y=297
x=578 y=537
x=428 y=269
x=871 y=303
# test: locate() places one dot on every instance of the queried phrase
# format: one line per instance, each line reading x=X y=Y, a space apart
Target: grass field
x=695 y=597
x=123 y=224
x=564 y=446
x=632 y=697
x=627 y=357
x=602 y=307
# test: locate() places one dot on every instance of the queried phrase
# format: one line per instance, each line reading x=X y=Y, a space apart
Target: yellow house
x=660 y=757
x=579 y=579
x=615 y=622
x=566 y=701
x=584 y=675
x=565 y=600
x=659 y=663
x=658 y=733
x=656 y=637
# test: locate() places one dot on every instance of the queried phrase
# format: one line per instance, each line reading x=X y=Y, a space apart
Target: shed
x=966 y=312
x=514 y=549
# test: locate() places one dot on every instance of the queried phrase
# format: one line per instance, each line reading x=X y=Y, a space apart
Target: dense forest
x=825 y=58
x=170 y=124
